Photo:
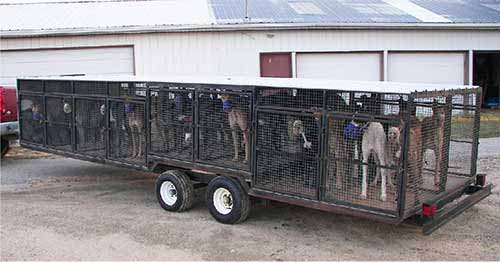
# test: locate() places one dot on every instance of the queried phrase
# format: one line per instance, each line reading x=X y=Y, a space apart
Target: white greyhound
x=374 y=141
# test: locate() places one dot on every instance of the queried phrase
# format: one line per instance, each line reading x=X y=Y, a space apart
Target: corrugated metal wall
x=237 y=53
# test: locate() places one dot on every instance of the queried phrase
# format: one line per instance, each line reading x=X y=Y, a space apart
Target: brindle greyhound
x=135 y=120
x=433 y=138
x=237 y=119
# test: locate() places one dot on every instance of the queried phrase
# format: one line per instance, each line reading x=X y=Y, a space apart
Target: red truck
x=8 y=117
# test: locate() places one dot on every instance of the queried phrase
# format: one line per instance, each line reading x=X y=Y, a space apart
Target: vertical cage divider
x=446 y=147
x=475 y=137
x=403 y=178
x=107 y=120
x=45 y=129
x=196 y=130
x=323 y=149
x=253 y=132
x=20 y=120
x=73 y=121
x=147 y=124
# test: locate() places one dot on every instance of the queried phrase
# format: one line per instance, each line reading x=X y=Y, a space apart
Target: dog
x=337 y=149
x=415 y=159
x=160 y=123
x=36 y=130
x=374 y=142
x=296 y=134
x=135 y=121
x=237 y=120
x=392 y=153
x=433 y=138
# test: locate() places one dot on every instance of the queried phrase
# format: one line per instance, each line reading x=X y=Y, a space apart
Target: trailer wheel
x=227 y=200
x=5 y=146
x=174 y=191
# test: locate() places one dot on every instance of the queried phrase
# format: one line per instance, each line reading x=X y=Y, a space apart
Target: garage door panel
x=344 y=66
x=430 y=67
x=89 y=61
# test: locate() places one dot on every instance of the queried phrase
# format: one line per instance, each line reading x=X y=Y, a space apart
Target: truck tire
x=227 y=200
x=5 y=146
x=174 y=191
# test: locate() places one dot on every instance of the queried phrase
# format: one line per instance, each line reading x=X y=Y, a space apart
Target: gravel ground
x=62 y=209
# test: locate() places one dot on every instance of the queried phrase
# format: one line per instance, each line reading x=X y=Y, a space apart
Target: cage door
x=287 y=153
x=59 y=119
x=127 y=131
x=90 y=127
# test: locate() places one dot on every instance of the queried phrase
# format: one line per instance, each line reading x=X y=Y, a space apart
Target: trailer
x=390 y=152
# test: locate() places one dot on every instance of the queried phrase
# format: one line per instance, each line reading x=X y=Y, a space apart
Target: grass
x=462 y=126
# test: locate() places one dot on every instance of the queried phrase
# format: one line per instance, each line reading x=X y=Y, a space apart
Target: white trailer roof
x=296 y=83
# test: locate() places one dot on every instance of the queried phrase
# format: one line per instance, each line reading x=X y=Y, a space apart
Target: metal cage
x=375 y=153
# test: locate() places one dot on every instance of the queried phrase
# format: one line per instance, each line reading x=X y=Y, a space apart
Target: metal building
x=438 y=41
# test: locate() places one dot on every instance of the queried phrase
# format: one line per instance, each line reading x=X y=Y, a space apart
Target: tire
x=174 y=191
x=228 y=211
x=5 y=146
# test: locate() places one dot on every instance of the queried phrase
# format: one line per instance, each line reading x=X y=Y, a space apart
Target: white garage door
x=346 y=66
x=441 y=68
x=88 y=61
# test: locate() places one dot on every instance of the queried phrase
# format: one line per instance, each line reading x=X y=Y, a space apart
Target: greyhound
x=237 y=119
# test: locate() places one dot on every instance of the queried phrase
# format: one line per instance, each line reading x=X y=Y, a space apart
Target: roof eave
x=243 y=27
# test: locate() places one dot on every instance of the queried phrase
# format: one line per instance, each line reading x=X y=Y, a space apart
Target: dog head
x=102 y=110
x=67 y=108
x=227 y=105
x=297 y=127
x=439 y=114
x=394 y=141
x=35 y=107
x=394 y=134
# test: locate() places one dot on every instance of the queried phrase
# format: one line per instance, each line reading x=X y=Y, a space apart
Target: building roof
x=51 y=17
x=297 y=83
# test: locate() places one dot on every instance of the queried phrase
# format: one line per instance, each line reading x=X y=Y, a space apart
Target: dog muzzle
x=129 y=108
x=227 y=105
x=353 y=131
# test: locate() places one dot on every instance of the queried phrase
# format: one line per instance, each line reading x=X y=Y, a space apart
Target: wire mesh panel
x=364 y=145
x=59 y=122
x=224 y=124
x=172 y=122
x=432 y=148
x=434 y=116
x=292 y=99
x=92 y=88
x=90 y=122
x=127 y=131
x=58 y=86
x=414 y=169
x=127 y=89
x=288 y=153
x=32 y=117
x=31 y=85
x=463 y=134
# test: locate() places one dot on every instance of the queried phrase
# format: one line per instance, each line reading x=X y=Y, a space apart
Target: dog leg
x=383 y=174
x=236 y=145
x=139 y=140
x=247 y=145
x=338 y=174
x=377 y=177
x=438 y=160
x=383 y=190
x=364 y=179
x=338 y=164
x=132 y=133
x=390 y=174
